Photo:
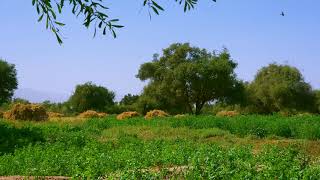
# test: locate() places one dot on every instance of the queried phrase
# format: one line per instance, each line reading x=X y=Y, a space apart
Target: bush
x=155 y=113
x=127 y=115
x=92 y=114
x=55 y=115
x=180 y=115
x=227 y=113
x=1 y=114
x=32 y=112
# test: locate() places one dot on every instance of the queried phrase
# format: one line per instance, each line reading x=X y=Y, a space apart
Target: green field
x=202 y=147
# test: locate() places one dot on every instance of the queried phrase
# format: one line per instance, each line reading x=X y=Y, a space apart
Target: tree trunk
x=199 y=106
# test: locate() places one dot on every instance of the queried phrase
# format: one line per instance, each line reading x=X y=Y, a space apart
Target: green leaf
x=59 y=23
x=157 y=6
x=40 y=18
x=155 y=10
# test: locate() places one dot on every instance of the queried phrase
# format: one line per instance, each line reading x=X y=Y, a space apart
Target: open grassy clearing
x=265 y=147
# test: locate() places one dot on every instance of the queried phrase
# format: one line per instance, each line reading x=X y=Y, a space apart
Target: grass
x=205 y=147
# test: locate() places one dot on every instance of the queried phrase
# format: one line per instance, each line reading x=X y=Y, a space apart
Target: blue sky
x=252 y=30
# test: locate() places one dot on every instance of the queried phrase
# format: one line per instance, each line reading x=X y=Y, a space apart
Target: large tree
x=280 y=87
x=89 y=96
x=189 y=77
x=8 y=81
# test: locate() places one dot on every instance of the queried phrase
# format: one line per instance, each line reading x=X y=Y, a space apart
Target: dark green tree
x=317 y=100
x=280 y=87
x=8 y=81
x=129 y=99
x=189 y=77
x=89 y=96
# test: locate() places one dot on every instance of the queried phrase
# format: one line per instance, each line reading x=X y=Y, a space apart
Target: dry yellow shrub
x=155 y=113
x=55 y=115
x=92 y=114
x=32 y=112
x=227 y=113
x=180 y=115
x=127 y=115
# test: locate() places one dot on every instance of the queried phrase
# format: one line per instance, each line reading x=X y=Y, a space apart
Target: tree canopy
x=89 y=96
x=280 y=87
x=189 y=77
x=8 y=81
x=129 y=99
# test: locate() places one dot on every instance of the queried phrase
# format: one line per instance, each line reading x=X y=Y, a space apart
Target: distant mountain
x=37 y=96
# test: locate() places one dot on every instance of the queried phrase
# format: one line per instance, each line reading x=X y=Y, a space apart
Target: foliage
x=155 y=113
x=153 y=98
x=8 y=81
x=127 y=115
x=79 y=150
x=94 y=12
x=188 y=77
x=317 y=97
x=20 y=100
x=62 y=108
x=26 y=112
x=92 y=114
x=280 y=87
x=129 y=99
x=89 y=96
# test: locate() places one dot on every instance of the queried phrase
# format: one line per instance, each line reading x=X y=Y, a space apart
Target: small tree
x=281 y=87
x=89 y=96
x=129 y=99
x=8 y=81
x=189 y=77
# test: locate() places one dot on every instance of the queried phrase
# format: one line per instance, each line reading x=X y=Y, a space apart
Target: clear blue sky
x=252 y=30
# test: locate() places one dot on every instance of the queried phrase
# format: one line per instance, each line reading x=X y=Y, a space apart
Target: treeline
x=186 y=79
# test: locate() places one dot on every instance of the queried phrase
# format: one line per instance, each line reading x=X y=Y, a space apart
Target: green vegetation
x=93 y=12
x=89 y=96
x=8 y=81
x=185 y=78
x=280 y=87
x=243 y=147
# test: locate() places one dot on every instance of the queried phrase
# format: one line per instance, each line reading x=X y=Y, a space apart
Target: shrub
x=180 y=115
x=227 y=113
x=1 y=114
x=33 y=112
x=155 y=113
x=55 y=115
x=92 y=114
x=127 y=115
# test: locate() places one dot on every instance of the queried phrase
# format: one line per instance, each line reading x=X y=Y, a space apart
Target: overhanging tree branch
x=94 y=12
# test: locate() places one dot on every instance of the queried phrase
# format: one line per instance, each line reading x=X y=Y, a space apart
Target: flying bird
x=282 y=13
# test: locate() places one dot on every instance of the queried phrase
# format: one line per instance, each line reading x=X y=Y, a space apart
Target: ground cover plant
x=265 y=147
